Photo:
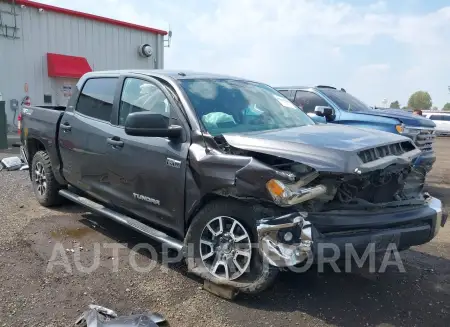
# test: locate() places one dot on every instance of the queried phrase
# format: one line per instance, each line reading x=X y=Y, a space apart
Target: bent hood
x=403 y=116
x=332 y=148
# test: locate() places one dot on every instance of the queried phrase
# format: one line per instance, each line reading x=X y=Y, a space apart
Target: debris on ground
x=100 y=316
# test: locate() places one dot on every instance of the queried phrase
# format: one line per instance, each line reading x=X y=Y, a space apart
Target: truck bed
x=40 y=128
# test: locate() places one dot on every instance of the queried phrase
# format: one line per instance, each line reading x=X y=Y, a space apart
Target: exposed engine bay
x=323 y=191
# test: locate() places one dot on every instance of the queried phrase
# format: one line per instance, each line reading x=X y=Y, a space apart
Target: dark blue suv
x=326 y=104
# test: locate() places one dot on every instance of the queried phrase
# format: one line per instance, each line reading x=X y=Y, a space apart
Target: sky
x=375 y=49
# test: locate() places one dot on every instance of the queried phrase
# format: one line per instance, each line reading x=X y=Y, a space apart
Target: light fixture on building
x=145 y=50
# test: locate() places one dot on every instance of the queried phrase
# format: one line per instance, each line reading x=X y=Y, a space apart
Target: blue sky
x=375 y=49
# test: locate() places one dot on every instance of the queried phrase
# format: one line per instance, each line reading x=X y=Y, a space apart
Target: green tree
x=434 y=108
x=395 y=105
x=420 y=100
x=447 y=106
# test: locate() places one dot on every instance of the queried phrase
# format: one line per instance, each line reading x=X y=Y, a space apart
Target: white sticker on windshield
x=285 y=102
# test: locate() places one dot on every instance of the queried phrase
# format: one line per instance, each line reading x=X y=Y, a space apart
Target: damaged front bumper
x=285 y=241
x=289 y=240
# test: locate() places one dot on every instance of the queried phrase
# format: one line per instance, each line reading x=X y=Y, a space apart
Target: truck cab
x=326 y=104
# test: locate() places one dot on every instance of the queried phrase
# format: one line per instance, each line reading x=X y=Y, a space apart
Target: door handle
x=66 y=127
x=115 y=142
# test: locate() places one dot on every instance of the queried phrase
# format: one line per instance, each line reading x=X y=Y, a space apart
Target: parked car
x=216 y=164
x=442 y=121
x=328 y=104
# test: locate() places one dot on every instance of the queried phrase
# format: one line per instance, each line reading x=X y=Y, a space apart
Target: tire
x=258 y=274
x=45 y=186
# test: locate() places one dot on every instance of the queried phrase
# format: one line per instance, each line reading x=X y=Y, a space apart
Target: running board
x=122 y=219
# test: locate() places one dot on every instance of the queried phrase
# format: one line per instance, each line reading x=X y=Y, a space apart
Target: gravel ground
x=35 y=295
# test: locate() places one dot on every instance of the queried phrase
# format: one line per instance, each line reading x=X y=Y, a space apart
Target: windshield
x=236 y=106
x=345 y=101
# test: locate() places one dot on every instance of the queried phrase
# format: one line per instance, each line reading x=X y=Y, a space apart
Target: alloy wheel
x=40 y=178
x=225 y=248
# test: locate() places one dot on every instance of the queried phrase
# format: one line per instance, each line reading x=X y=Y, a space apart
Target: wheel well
x=33 y=146
x=203 y=201
x=266 y=210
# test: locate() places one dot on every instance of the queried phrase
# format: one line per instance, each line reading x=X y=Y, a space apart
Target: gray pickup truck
x=227 y=171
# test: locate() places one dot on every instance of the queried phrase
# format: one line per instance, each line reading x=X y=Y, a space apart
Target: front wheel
x=222 y=247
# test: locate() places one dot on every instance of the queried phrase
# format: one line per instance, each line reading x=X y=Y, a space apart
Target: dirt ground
x=31 y=295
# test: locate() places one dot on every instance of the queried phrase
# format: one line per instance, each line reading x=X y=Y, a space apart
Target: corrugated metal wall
x=23 y=58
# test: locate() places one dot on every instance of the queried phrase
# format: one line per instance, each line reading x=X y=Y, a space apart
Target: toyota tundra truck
x=226 y=171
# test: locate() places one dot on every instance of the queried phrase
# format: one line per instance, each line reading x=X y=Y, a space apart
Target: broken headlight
x=289 y=194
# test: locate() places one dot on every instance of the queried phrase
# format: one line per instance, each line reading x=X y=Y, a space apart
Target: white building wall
x=24 y=59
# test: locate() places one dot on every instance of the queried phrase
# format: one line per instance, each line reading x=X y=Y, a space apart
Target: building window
x=47 y=98
x=96 y=98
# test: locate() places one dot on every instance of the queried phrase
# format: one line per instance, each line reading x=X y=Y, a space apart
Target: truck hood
x=403 y=116
x=332 y=148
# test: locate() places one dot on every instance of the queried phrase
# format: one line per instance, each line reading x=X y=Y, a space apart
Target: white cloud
x=299 y=42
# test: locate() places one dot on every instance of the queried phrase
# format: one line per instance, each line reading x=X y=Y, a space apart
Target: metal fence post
x=3 y=127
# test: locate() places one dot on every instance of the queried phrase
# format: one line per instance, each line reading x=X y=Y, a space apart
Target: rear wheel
x=45 y=186
x=223 y=247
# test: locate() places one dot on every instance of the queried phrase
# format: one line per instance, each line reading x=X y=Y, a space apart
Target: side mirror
x=324 y=111
x=146 y=123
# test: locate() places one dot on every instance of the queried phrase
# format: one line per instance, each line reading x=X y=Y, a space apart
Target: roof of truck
x=175 y=74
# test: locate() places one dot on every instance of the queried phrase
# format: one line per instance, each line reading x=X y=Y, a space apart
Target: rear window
x=286 y=93
x=96 y=98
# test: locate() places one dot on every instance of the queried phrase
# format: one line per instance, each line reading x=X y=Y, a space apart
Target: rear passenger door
x=84 y=130
x=147 y=174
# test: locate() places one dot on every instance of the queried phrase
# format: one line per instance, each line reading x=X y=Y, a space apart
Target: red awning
x=66 y=66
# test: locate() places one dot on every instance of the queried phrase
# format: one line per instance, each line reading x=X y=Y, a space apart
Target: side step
x=124 y=220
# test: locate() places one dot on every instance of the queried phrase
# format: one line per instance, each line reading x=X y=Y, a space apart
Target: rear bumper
x=322 y=235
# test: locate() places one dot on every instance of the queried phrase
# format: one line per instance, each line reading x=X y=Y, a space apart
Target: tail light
x=19 y=122
x=25 y=102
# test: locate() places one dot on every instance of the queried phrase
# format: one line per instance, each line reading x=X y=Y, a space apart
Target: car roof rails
x=330 y=87
x=325 y=87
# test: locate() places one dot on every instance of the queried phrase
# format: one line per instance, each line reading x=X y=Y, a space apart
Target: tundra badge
x=146 y=198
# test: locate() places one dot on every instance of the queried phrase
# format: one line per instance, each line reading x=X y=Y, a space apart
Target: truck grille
x=425 y=139
x=385 y=150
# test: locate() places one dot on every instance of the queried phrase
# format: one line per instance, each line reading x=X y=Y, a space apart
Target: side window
x=447 y=118
x=138 y=95
x=308 y=101
x=436 y=117
x=286 y=93
x=96 y=98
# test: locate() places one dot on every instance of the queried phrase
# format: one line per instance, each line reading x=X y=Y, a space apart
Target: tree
x=420 y=100
x=447 y=106
x=434 y=108
x=395 y=105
